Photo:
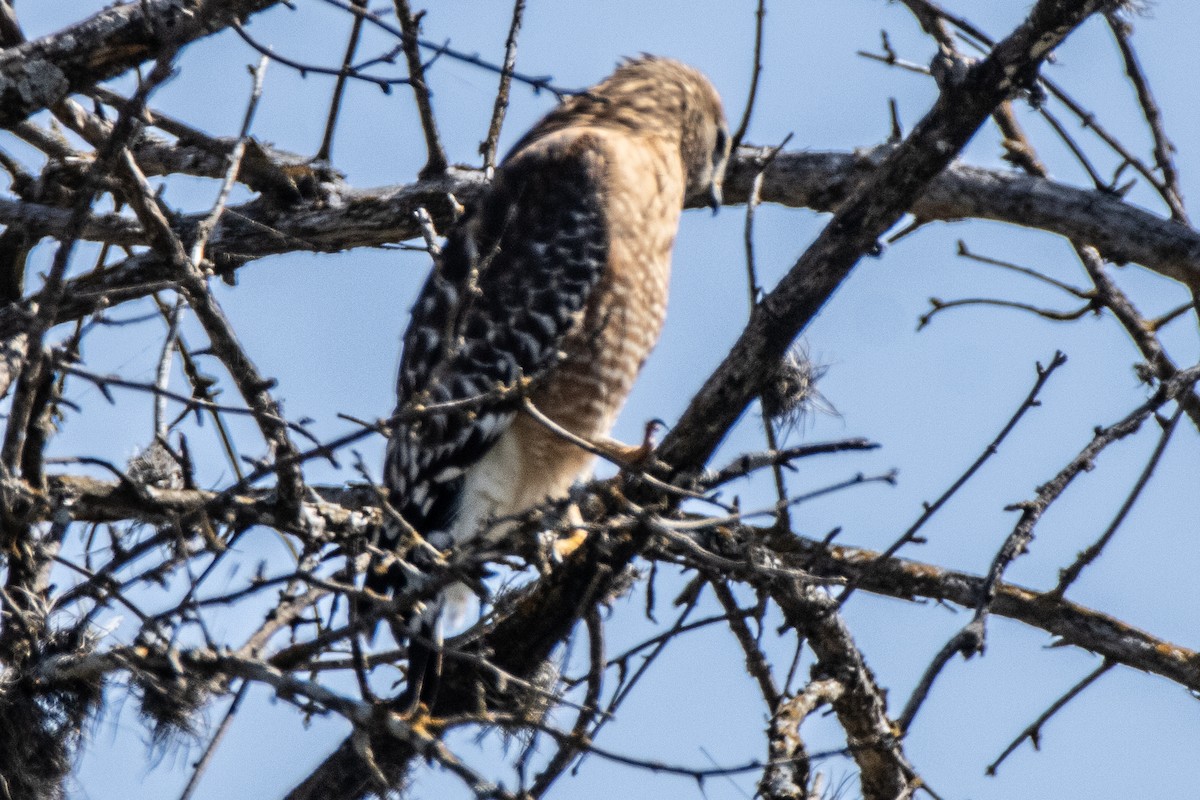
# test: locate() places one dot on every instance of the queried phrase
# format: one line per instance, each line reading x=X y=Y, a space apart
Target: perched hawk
x=558 y=276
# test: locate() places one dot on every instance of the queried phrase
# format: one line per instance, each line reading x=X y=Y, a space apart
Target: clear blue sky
x=327 y=328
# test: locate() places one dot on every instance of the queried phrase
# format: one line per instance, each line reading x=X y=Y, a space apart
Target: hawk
x=553 y=286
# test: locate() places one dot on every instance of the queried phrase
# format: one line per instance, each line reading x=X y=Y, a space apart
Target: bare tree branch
x=122 y=586
x=345 y=217
x=40 y=73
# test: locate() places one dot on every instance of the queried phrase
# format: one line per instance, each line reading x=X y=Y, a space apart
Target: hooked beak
x=714 y=197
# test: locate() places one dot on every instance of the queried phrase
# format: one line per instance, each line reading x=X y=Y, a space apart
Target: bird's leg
x=424 y=659
x=565 y=545
x=626 y=456
x=630 y=455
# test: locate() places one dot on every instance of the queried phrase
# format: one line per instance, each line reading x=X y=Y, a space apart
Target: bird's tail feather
x=422 y=631
x=424 y=661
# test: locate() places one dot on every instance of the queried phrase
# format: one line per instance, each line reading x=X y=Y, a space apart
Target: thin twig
x=625 y=686
x=1068 y=575
x=749 y=463
x=1031 y=401
x=657 y=639
x=1032 y=510
x=965 y=252
x=966 y=642
x=488 y=148
x=756 y=662
x=783 y=517
x=385 y=84
x=233 y=165
x=1163 y=149
x=1033 y=732
x=102 y=382
x=53 y=288
x=938 y=305
x=211 y=749
x=891 y=60
x=759 y=16
x=162 y=378
x=1065 y=136
x=534 y=82
x=436 y=163
x=578 y=738
x=325 y=151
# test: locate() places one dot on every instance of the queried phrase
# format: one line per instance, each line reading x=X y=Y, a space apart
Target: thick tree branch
x=88 y=499
x=861 y=707
x=40 y=73
x=348 y=511
x=341 y=218
x=337 y=513
x=789 y=769
x=1120 y=231
x=546 y=615
x=1069 y=623
x=874 y=205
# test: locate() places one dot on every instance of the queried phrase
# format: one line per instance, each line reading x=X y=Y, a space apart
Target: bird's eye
x=722 y=143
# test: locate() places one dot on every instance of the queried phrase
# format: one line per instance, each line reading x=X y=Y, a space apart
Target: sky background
x=327 y=327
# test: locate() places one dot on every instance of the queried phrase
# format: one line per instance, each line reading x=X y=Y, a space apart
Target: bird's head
x=684 y=103
x=705 y=142
x=705 y=160
x=660 y=98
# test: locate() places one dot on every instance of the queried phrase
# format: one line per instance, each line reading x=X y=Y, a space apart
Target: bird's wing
x=513 y=278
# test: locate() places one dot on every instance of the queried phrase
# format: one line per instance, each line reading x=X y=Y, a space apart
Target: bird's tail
x=424 y=661
x=420 y=630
